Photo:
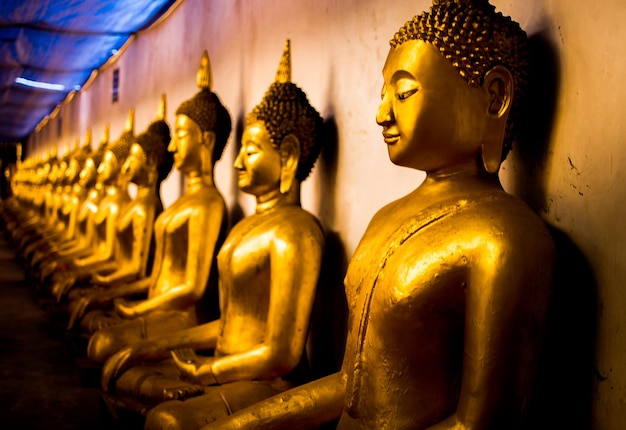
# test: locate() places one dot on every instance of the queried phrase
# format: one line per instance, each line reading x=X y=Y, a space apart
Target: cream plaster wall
x=573 y=176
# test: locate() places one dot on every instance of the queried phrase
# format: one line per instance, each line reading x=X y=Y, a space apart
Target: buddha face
x=60 y=176
x=87 y=175
x=258 y=162
x=431 y=118
x=108 y=169
x=53 y=173
x=185 y=144
x=135 y=167
x=72 y=170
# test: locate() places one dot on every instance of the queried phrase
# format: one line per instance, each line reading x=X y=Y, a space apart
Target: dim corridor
x=40 y=384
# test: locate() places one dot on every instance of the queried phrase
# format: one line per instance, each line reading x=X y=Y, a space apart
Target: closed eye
x=405 y=94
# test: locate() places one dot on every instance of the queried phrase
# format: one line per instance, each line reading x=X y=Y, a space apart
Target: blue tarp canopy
x=56 y=44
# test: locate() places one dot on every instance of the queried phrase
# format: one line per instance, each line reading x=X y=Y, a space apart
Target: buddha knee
x=166 y=416
x=101 y=346
x=192 y=413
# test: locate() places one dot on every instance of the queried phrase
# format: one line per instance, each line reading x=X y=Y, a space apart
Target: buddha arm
x=202 y=223
x=295 y=258
x=142 y=231
x=109 y=244
x=137 y=287
x=199 y=337
x=305 y=407
x=505 y=297
x=84 y=238
x=71 y=222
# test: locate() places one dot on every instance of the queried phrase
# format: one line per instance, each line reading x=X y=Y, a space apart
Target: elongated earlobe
x=498 y=84
x=208 y=142
x=289 y=158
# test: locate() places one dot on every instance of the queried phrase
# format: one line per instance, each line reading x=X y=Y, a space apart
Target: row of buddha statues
x=197 y=325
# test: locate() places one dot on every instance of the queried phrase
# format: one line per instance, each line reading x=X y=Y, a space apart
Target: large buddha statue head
x=281 y=139
x=116 y=153
x=202 y=127
x=453 y=82
x=149 y=162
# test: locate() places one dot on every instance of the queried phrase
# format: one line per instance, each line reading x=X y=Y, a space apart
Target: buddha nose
x=172 y=146
x=238 y=164
x=384 y=115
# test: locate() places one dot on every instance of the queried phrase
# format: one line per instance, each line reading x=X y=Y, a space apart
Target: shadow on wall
x=329 y=319
x=563 y=392
x=236 y=212
x=327 y=165
x=327 y=332
x=531 y=154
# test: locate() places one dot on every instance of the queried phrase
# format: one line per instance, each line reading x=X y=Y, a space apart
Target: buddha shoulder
x=293 y=222
x=504 y=224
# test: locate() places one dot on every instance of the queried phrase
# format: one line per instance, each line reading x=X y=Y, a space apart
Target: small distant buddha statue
x=148 y=164
x=75 y=192
x=112 y=204
x=89 y=193
x=33 y=199
x=71 y=204
x=45 y=222
x=447 y=290
x=52 y=226
x=187 y=236
x=268 y=269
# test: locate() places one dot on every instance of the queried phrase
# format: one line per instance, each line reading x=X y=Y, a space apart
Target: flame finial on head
x=130 y=121
x=283 y=75
x=87 y=143
x=162 y=108
x=105 y=134
x=204 y=78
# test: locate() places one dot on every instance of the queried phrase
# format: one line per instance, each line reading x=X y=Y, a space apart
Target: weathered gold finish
x=447 y=290
x=258 y=342
x=147 y=165
x=187 y=235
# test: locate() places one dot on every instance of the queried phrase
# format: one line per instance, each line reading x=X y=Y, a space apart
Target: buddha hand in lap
x=448 y=288
x=268 y=269
x=187 y=236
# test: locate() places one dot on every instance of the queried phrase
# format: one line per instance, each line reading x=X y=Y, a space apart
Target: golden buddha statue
x=46 y=222
x=112 y=204
x=73 y=195
x=89 y=194
x=447 y=290
x=187 y=236
x=148 y=164
x=74 y=191
x=258 y=341
x=29 y=204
